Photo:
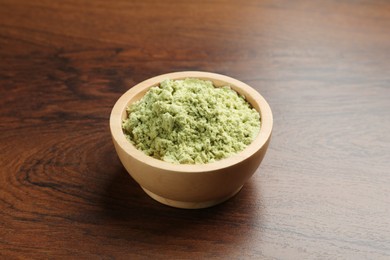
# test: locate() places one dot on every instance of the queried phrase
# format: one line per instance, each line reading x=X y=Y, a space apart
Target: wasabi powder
x=191 y=122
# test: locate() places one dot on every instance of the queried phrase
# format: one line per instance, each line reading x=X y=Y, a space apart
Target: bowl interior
x=119 y=113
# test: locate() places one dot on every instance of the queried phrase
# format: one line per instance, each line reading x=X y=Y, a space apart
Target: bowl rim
x=124 y=100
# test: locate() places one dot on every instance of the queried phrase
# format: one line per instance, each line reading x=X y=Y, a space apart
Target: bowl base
x=186 y=204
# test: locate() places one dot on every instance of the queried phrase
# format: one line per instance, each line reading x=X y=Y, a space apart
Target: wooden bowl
x=185 y=185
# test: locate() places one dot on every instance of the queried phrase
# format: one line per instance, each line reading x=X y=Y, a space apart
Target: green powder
x=191 y=122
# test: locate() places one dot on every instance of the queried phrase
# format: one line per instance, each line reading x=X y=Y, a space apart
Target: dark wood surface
x=322 y=191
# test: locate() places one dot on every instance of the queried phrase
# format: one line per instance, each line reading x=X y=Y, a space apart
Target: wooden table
x=322 y=191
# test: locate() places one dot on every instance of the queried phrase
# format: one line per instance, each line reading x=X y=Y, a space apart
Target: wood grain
x=322 y=191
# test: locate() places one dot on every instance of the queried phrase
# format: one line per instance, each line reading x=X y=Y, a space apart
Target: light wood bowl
x=184 y=185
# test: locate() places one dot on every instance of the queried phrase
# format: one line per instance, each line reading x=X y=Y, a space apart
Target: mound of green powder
x=191 y=122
